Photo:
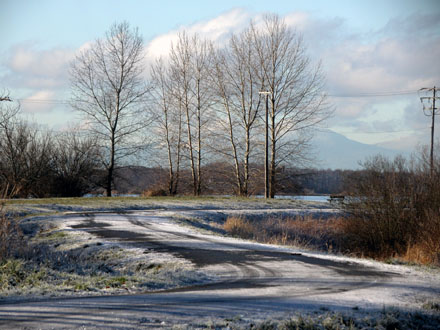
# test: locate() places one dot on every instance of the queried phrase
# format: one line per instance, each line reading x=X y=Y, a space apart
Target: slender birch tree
x=189 y=62
x=236 y=82
x=108 y=89
x=297 y=102
x=169 y=120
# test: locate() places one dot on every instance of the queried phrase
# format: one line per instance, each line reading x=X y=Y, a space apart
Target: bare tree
x=8 y=117
x=180 y=65
x=236 y=82
x=4 y=97
x=189 y=62
x=25 y=156
x=297 y=103
x=75 y=163
x=202 y=96
x=169 y=122
x=108 y=89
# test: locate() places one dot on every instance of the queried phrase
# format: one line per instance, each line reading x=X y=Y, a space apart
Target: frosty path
x=252 y=281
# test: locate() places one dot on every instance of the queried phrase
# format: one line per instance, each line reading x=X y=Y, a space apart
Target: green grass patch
x=56 y=235
x=431 y=305
x=16 y=273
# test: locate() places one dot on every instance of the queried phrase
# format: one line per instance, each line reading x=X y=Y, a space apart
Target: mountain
x=335 y=151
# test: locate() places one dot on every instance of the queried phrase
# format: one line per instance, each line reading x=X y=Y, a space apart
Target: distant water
x=309 y=198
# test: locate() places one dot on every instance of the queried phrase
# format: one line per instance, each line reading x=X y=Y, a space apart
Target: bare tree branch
x=108 y=89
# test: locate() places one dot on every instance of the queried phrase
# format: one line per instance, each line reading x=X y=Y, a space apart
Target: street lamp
x=266 y=146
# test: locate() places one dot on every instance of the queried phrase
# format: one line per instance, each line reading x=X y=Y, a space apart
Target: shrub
x=304 y=231
x=394 y=210
x=239 y=227
x=154 y=192
x=11 y=235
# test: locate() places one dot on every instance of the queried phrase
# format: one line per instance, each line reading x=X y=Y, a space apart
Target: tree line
x=36 y=162
x=201 y=103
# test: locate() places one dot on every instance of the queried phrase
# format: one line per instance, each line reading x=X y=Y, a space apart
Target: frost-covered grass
x=327 y=320
x=57 y=263
x=48 y=206
x=387 y=319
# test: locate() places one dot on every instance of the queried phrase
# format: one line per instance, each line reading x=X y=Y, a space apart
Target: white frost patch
x=318 y=285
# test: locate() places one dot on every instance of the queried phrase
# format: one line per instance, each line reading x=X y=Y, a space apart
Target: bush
x=11 y=236
x=304 y=231
x=239 y=227
x=394 y=210
x=154 y=192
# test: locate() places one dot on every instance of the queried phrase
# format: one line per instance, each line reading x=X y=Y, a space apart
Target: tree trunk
x=111 y=169
x=246 y=164
x=191 y=155
x=179 y=146
x=170 y=159
x=272 y=171
x=234 y=151
x=199 y=142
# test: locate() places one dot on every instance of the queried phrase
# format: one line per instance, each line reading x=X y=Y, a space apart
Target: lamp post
x=266 y=146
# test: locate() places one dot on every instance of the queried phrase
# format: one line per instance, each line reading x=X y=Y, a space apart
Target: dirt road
x=253 y=282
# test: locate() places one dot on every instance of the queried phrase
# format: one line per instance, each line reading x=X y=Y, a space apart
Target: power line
x=382 y=132
x=359 y=95
x=47 y=101
x=377 y=94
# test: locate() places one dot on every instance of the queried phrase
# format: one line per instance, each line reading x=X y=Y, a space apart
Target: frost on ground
x=34 y=207
x=59 y=261
x=320 y=319
x=259 y=285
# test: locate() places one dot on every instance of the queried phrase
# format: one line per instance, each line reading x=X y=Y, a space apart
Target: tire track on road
x=250 y=268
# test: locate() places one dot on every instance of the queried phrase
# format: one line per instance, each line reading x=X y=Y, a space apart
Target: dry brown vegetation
x=341 y=235
x=304 y=231
x=11 y=237
x=154 y=192
x=394 y=210
x=391 y=213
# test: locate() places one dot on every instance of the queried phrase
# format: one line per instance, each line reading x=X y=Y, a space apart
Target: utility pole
x=430 y=110
x=266 y=146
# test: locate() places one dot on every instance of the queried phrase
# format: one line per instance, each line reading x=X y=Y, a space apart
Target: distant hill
x=335 y=151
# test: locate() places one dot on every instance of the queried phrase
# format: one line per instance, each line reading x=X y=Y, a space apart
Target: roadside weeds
x=58 y=263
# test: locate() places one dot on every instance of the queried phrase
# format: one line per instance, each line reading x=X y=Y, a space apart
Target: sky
x=376 y=55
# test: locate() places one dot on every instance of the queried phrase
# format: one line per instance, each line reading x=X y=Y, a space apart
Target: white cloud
x=29 y=67
x=399 y=56
x=38 y=102
x=383 y=62
x=402 y=55
x=217 y=30
x=299 y=20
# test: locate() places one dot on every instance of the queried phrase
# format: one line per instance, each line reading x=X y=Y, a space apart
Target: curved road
x=255 y=282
